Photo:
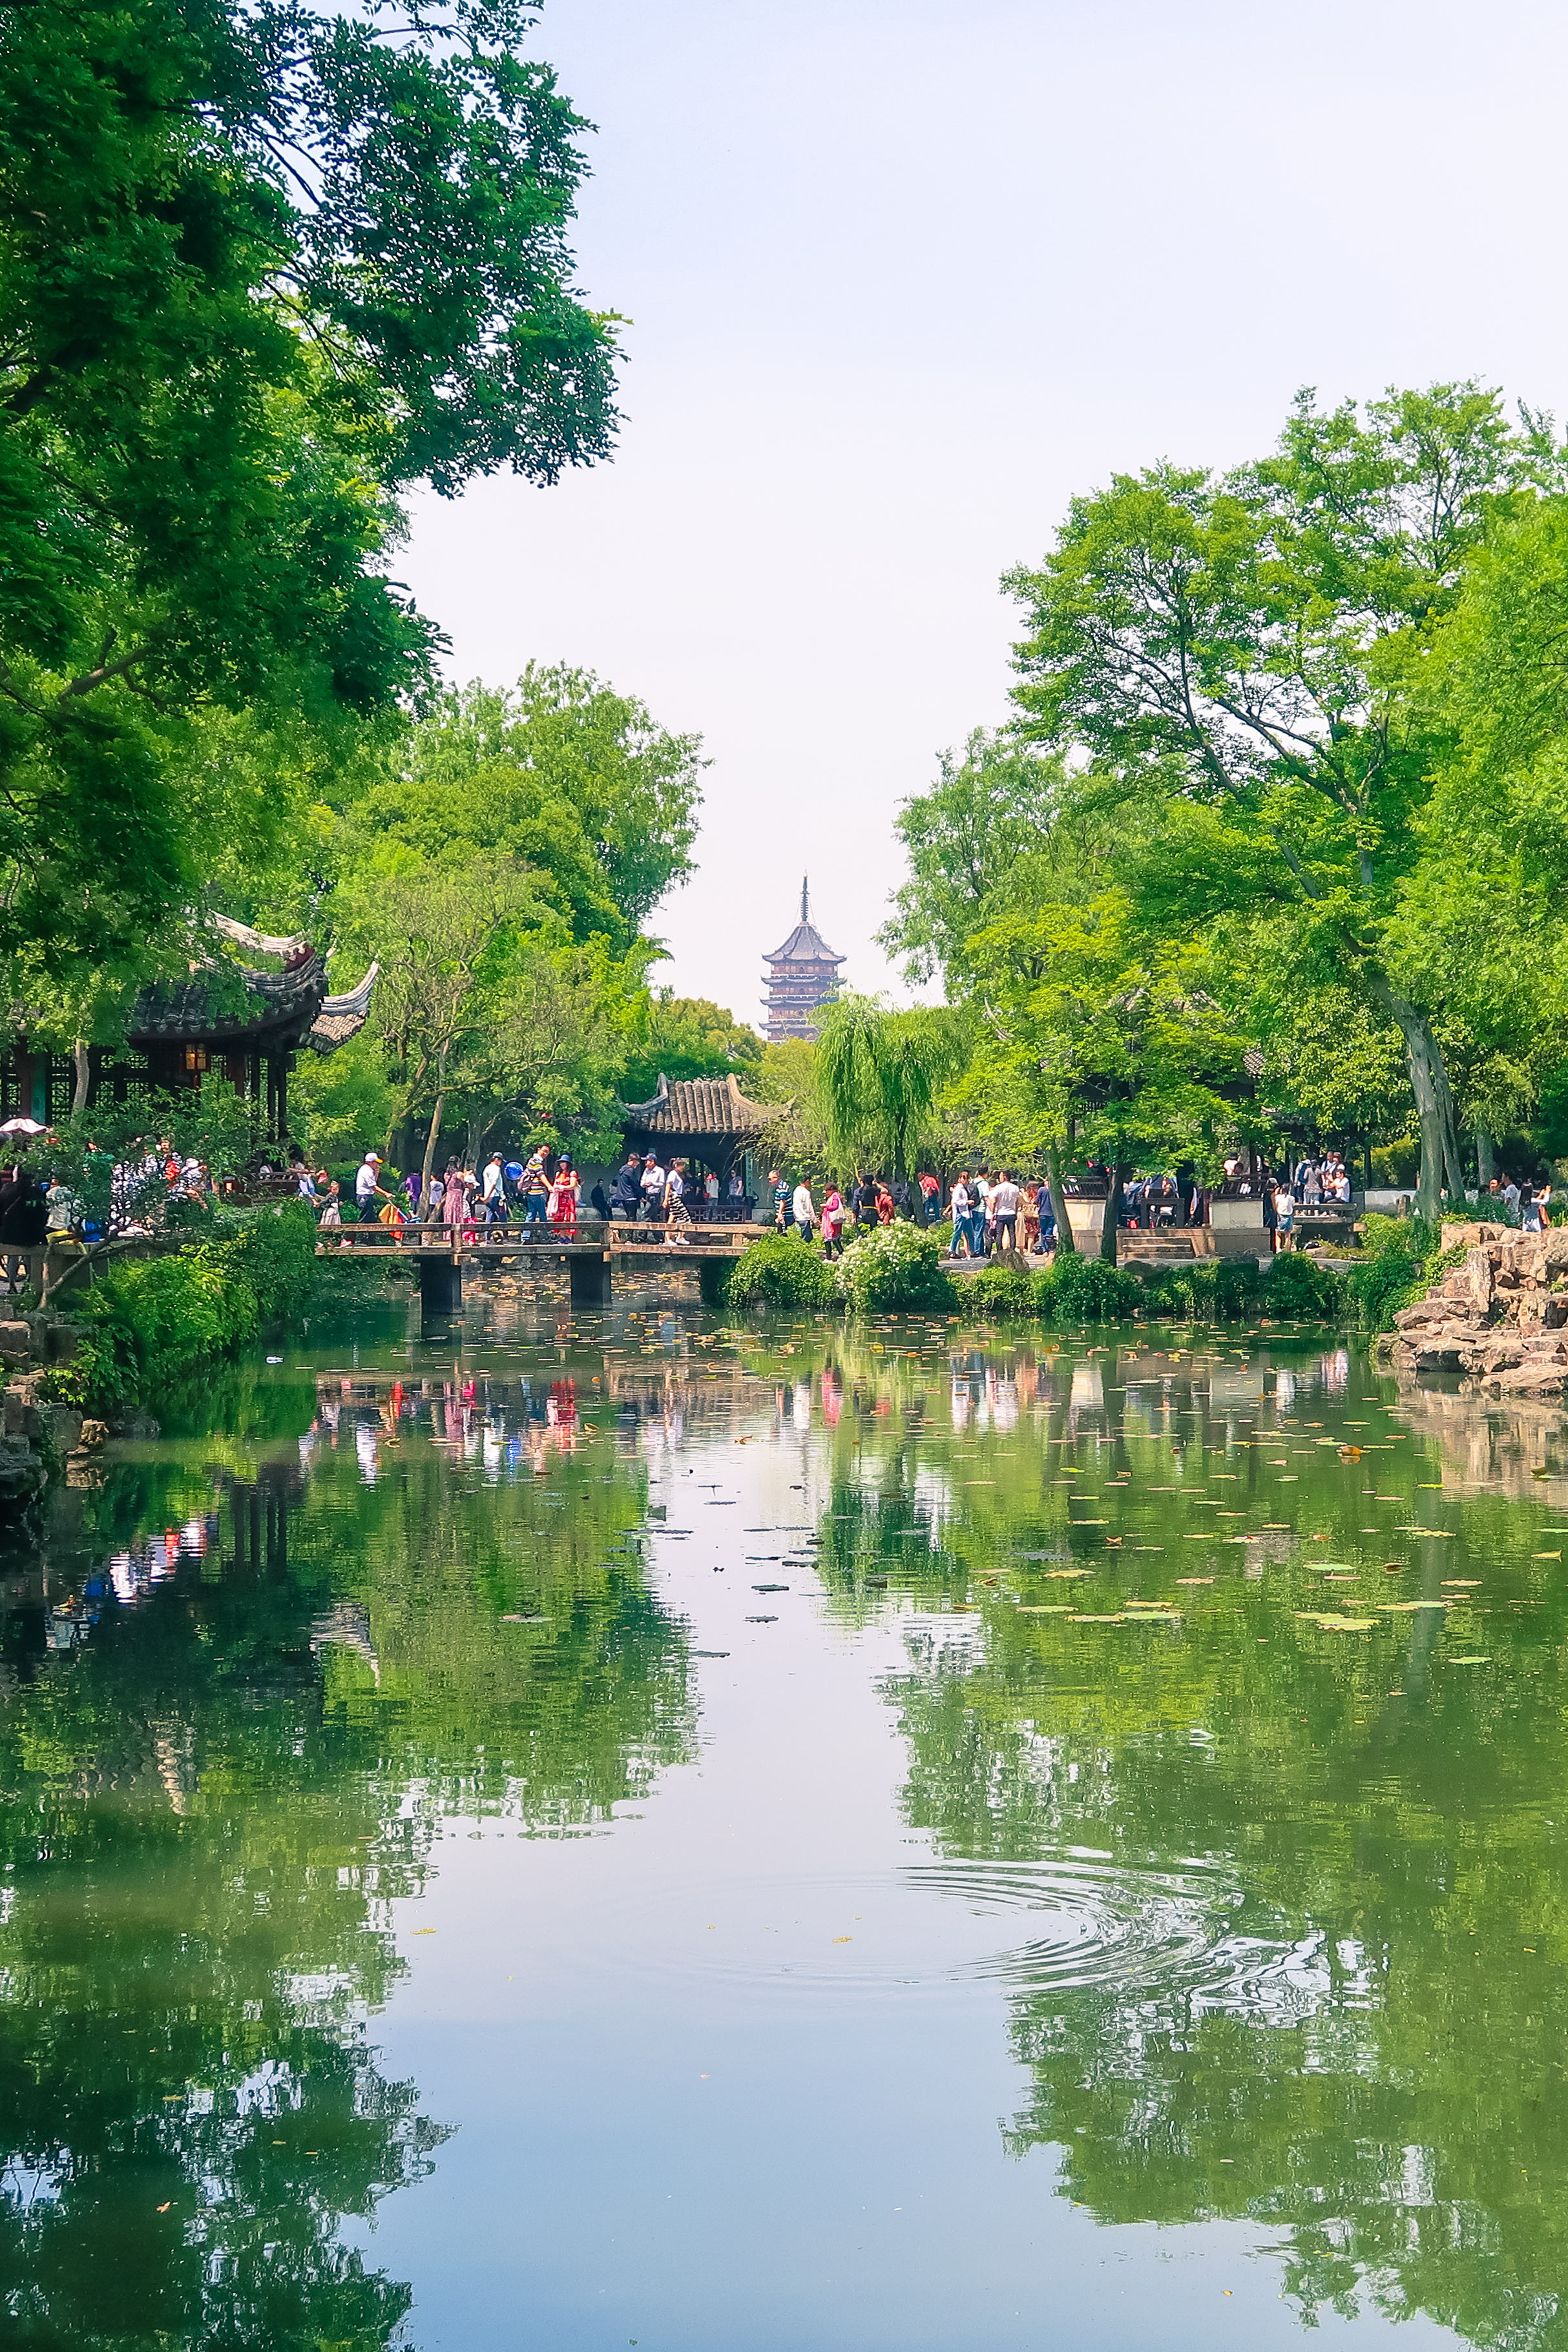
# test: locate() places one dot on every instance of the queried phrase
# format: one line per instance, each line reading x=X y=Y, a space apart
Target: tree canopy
x=263 y=268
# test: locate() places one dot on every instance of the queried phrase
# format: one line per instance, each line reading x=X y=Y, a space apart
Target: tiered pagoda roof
x=802 y=976
x=237 y=1007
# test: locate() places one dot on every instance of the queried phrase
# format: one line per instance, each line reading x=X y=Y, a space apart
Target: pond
x=638 y=1831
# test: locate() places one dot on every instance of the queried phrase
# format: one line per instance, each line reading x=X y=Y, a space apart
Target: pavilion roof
x=267 y=1006
x=342 y=1017
x=227 y=1004
x=699 y=1106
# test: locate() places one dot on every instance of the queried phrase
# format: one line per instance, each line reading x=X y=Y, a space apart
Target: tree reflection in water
x=223 y=1754
x=1364 y=2050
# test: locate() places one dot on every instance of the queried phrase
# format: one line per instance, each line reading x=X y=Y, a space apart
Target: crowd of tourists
x=542 y=1196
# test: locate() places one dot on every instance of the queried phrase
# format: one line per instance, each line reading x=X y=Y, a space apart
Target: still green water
x=633 y=1830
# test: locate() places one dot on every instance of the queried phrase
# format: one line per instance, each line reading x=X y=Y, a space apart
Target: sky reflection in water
x=1108 y=1889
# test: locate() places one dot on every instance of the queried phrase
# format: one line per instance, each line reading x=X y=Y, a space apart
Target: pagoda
x=802 y=976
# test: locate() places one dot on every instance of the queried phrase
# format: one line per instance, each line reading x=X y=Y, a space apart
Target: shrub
x=1077 y=1289
x=1393 y=1270
x=781 y=1271
x=1188 y=1292
x=148 y=1321
x=897 y=1268
x=1000 y=1291
x=1298 y=1285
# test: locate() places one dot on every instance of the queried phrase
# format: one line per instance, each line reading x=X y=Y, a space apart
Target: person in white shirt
x=804 y=1212
x=1005 y=1198
x=675 y=1211
x=367 y=1184
x=959 y=1202
x=653 y=1200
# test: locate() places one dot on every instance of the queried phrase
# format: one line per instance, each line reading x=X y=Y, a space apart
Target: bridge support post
x=440 y=1285
x=590 y=1275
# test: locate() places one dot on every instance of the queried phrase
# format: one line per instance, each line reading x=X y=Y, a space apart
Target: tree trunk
x=1112 y=1211
x=430 y=1152
x=1064 y=1240
x=84 y=1078
x=1486 y=1159
x=1440 y=1162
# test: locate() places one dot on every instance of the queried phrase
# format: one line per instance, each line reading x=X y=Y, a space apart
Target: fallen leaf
x=163 y=2208
x=1195 y=1579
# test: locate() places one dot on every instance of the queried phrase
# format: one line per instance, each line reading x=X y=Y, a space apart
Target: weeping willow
x=881 y=1076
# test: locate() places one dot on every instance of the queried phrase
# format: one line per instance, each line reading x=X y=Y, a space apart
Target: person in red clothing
x=885 y=1210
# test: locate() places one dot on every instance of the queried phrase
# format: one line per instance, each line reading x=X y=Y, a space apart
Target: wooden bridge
x=591 y=1260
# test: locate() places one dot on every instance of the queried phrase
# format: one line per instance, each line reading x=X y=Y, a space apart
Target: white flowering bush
x=897 y=1266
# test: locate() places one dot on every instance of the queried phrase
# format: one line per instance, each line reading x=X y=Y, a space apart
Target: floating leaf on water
x=1485 y=1660
x=1545 y=1555
x=770 y=1588
x=762 y=1620
x=1119 y=1618
x=1044 y=1608
x=1195 y=1579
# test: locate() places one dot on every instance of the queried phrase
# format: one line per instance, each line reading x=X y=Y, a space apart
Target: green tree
x=962 y=839
x=563 y=771
x=443 y=934
x=1249 y=649
x=880 y=1075
x=686 y=1037
x=1108 y=1043
x=263 y=268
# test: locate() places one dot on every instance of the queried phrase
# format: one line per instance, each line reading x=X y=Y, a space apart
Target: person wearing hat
x=652 y=1205
x=564 y=1194
x=536 y=1196
x=367 y=1185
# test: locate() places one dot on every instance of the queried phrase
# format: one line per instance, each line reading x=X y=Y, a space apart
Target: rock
x=1476 y=1276
x=1498 y=1318
x=93 y=1434
x=16 y=1342
x=22 y=1474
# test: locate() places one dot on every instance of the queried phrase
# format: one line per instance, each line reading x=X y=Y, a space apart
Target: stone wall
x=1500 y=1319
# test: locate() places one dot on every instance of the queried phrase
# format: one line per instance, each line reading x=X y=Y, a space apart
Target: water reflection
x=1196 y=1785
x=232 y=1728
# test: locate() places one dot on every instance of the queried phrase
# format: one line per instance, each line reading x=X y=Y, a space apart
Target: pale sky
x=903 y=280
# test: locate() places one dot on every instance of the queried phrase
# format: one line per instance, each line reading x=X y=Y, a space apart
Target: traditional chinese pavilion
x=711 y=1125
x=802 y=976
x=227 y=1015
